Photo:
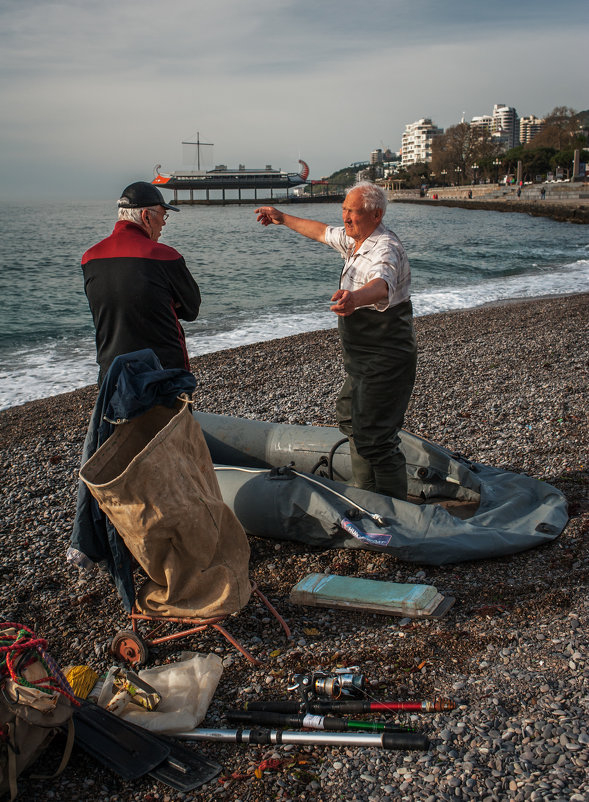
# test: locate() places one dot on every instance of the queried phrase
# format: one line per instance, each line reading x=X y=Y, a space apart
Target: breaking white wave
x=61 y=365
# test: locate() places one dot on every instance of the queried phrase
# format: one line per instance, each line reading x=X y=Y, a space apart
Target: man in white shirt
x=376 y=331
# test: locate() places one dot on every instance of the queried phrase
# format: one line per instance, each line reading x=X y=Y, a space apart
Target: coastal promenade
x=563 y=202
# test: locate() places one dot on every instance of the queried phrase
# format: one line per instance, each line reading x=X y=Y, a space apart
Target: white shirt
x=381 y=255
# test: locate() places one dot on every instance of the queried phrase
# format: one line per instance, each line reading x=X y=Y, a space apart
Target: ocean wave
x=253 y=281
x=62 y=365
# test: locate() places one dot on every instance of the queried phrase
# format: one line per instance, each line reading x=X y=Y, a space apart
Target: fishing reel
x=320 y=685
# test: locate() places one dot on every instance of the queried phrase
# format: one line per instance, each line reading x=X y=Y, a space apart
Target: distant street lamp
x=458 y=170
x=497 y=164
x=443 y=173
x=475 y=167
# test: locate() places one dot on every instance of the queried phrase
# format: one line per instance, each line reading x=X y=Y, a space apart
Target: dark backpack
x=35 y=702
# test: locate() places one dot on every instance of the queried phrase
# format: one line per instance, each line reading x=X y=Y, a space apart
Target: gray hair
x=134 y=215
x=373 y=196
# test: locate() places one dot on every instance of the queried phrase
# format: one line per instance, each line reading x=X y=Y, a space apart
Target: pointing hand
x=268 y=215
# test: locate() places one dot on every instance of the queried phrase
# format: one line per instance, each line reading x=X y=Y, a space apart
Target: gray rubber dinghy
x=290 y=483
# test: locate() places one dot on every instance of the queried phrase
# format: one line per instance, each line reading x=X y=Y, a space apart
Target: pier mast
x=198 y=144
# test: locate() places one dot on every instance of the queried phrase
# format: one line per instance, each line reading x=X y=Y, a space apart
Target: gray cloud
x=97 y=93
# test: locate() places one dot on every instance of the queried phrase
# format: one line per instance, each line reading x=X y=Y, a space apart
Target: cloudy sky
x=94 y=94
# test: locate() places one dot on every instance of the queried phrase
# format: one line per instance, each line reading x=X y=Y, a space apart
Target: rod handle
x=404 y=740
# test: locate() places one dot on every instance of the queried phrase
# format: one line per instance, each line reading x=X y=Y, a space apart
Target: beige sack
x=154 y=479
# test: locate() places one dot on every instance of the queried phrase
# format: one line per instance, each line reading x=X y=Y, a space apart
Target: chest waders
x=380 y=355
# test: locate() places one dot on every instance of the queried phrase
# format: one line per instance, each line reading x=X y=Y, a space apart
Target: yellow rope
x=81 y=679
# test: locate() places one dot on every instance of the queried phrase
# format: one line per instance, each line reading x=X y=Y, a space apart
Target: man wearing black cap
x=139 y=289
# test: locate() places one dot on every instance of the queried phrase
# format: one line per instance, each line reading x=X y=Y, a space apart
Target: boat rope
x=378 y=519
x=19 y=648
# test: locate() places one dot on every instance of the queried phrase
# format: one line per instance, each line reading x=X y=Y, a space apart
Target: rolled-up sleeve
x=382 y=265
x=337 y=239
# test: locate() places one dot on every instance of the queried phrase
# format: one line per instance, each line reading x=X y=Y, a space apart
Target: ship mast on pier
x=198 y=144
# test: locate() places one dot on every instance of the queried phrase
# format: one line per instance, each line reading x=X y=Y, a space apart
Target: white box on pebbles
x=375 y=596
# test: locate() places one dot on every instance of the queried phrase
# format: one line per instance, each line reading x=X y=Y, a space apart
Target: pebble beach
x=504 y=385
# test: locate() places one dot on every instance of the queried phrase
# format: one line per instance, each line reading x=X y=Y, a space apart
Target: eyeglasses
x=164 y=215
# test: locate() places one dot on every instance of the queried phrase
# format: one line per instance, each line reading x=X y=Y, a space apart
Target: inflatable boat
x=290 y=482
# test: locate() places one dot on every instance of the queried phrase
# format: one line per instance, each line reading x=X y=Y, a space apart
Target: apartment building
x=529 y=127
x=484 y=123
x=506 y=124
x=416 y=142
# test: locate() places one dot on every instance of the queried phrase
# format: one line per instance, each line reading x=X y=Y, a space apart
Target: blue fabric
x=134 y=384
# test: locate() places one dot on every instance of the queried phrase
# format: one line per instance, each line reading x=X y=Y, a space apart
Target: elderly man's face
x=154 y=219
x=358 y=221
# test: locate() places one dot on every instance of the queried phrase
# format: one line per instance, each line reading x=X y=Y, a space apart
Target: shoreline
x=193 y=359
x=563 y=211
x=504 y=384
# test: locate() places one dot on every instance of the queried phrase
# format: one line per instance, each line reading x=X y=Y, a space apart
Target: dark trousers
x=380 y=356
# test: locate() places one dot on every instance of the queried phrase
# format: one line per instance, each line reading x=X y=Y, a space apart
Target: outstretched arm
x=312 y=229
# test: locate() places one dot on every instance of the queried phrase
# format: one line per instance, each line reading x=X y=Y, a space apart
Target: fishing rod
x=353 y=706
x=264 y=737
x=311 y=722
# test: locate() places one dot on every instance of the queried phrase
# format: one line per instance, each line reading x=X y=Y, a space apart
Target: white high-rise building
x=416 y=143
x=506 y=123
x=484 y=123
x=529 y=127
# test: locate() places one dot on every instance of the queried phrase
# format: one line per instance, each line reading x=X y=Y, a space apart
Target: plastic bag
x=186 y=687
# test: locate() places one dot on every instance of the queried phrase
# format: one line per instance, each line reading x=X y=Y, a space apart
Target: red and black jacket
x=138 y=290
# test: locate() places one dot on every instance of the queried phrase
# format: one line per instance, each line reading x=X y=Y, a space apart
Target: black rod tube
x=310 y=721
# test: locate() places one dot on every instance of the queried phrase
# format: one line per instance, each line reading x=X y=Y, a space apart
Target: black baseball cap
x=141 y=194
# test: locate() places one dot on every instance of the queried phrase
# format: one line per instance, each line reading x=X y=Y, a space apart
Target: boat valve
x=286 y=472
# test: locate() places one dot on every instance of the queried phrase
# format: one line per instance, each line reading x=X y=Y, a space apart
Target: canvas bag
x=29 y=719
x=155 y=480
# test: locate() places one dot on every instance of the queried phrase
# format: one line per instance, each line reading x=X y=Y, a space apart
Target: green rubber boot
x=391 y=482
x=362 y=473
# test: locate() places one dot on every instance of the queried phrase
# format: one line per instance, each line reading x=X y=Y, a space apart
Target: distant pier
x=332 y=197
x=237 y=193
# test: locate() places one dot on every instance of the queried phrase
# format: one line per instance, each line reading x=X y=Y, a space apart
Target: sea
x=257 y=283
